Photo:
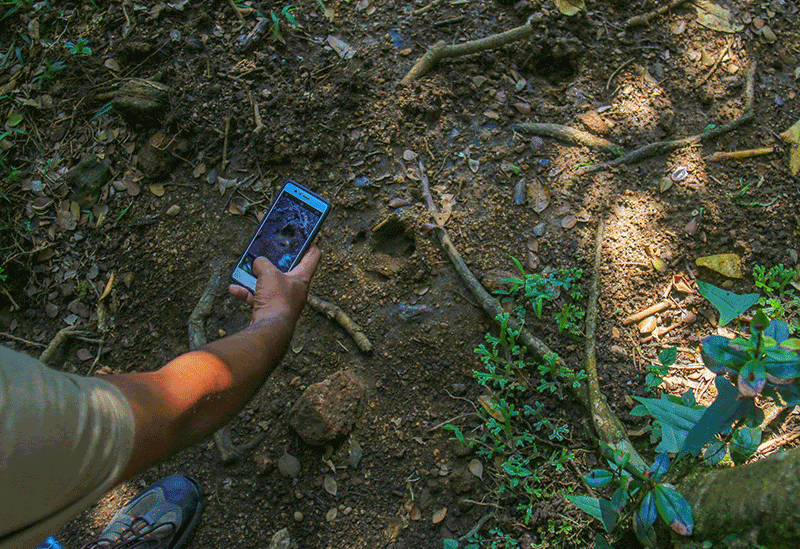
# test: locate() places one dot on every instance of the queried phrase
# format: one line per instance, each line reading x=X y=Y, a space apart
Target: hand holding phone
x=285 y=233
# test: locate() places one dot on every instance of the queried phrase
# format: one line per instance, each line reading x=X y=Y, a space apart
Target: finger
x=308 y=266
x=241 y=293
x=262 y=265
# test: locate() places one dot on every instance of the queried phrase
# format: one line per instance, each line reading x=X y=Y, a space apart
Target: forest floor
x=184 y=190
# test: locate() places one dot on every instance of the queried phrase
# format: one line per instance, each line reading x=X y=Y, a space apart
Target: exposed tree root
x=645 y=18
x=197 y=338
x=607 y=425
x=336 y=313
x=606 y=422
x=441 y=50
x=569 y=135
x=60 y=338
x=665 y=147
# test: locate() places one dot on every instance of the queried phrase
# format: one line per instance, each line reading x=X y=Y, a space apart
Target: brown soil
x=342 y=127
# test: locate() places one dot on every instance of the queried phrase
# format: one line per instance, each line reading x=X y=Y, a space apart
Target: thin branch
x=645 y=18
x=568 y=135
x=336 y=313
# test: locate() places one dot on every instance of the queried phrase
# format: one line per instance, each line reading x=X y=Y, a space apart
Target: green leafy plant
x=514 y=421
x=539 y=291
x=47 y=71
x=779 y=299
x=497 y=539
x=648 y=491
x=13 y=6
x=286 y=12
x=78 y=48
x=656 y=372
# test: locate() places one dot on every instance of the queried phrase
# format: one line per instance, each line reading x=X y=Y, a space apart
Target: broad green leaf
x=598 y=508
x=14 y=119
x=647 y=511
x=715 y=452
x=717 y=418
x=744 y=443
x=674 y=509
x=668 y=356
x=516 y=470
x=751 y=379
x=729 y=304
x=777 y=330
x=725 y=264
x=790 y=394
x=600 y=542
x=720 y=356
x=619 y=498
x=646 y=535
x=660 y=466
x=782 y=362
x=450 y=543
x=598 y=478
x=570 y=7
x=676 y=421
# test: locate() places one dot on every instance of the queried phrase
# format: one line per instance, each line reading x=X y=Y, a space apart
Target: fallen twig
x=225 y=142
x=716 y=64
x=475 y=529
x=236 y=10
x=664 y=147
x=20 y=340
x=337 y=314
x=441 y=50
x=688 y=318
x=738 y=155
x=197 y=338
x=260 y=127
x=609 y=428
x=641 y=315
x=569 y=135
x=645 y=18
x=427 y=8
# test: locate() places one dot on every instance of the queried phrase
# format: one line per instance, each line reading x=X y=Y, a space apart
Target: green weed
x=780 y=298
x=78 y=48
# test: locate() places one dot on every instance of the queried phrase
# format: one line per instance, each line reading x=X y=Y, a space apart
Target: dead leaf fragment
x=238 y=205
x=476 y=468
x=715 y=17
x=490 y=405
x=569 y=221
x=329 y=483
x=438 y=516
x=447 y=209
x=570 y=7
x=414 y=513
x=111 y=64
x=157 y=189
x=108 y=288
x=330 y=516
x=84 y=354
x=538 y=196
x=680 y=283
x=792 y=136
x=725 y=264
x=648 y=325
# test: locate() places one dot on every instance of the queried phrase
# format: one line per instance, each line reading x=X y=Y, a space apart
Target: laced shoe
x=162 y=516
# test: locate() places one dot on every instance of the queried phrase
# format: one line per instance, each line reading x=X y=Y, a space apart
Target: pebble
x=289 y=466
x=173 y=210
x=298 y=516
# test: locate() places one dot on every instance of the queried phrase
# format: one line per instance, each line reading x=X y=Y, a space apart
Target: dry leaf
x=157 y=189
x=792 y=136
x=438 y=516
x=569 y=221
x=414 y=513
x=330 y=516
x=447 y=209
x=680 y=284
x=489 y=404
x=538 y=196
x=724 y=264
x=330 y=485
x=112 y=64
x=84 y=354
x=199 y=170
x=476 y=468
x=615 y=333
x=648 y=325
x=570 y=7
x=715 y=17
x=107 y=290
x=238 y=205
x=658 y=264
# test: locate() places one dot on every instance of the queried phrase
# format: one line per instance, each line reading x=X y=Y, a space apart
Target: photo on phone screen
x=285 y=233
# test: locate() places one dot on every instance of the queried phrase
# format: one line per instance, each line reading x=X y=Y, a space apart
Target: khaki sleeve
x=64 y=441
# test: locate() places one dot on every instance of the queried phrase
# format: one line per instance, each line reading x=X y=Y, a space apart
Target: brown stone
x=327 y=411
x=142 y=102
x=595 y=123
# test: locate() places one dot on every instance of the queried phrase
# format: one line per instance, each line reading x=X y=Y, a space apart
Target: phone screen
x=285 y=233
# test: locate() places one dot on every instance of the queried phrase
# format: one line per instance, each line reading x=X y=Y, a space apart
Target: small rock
x=595 y=123
x=263 y=462
x=142 y=102
x=326 y=411
x=289 y=466
x=281 y=540
x=298 y=516
x=409 y=313
x=86 y=180
x=522 y=108
x=173 y=210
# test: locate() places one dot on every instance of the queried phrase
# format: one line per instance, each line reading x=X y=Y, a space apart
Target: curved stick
x=336 y=313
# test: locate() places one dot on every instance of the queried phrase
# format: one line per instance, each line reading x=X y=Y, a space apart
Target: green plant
x=79 y=47
x=539 y=291
x=651 y=495
x=276 y=22
x=13 y=6
x=657 y=371
x=779 y=299
x=514 y=420
x=497 y=539
x=46 y=71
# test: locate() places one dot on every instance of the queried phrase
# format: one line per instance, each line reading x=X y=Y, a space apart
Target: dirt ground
x=185 y=189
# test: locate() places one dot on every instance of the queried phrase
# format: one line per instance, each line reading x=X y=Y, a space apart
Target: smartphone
x=285 y=232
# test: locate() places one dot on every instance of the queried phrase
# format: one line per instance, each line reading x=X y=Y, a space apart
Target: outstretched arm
x=198 y=392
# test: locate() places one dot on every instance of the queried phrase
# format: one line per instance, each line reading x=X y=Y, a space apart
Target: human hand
x=279 y=294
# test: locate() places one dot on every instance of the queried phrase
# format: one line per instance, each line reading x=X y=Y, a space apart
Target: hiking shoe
x=162 y=516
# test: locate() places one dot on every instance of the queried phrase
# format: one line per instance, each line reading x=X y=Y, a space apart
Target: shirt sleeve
x=64 y=441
